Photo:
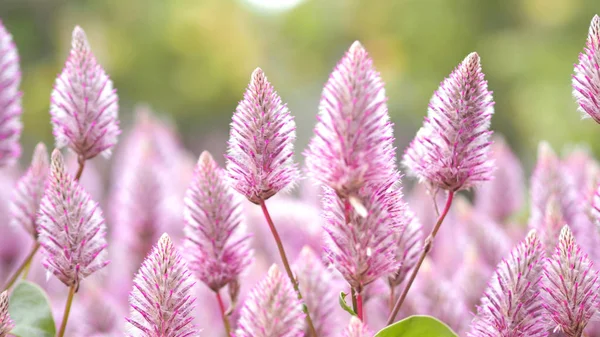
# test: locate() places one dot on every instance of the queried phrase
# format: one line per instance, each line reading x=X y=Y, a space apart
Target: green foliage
x=30 y=310
x=344 y=305
x=417 y=326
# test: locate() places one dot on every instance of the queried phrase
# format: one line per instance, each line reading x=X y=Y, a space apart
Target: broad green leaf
x=344 y=305
x=417 y=326
x=29 y=308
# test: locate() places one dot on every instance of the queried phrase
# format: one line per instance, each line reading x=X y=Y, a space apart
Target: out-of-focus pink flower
x=508 y=184
x=84 y=105
x=261 y=142
x=6 y=323
x=71 y=228
x=570 y=287
x=97 y=314
x=161 y=301
x=272 y=309
x=218 y=250
x=408 y=243
x=353 y=142
x=357 y=328
x=586 y=81
x=512 y=305
x=451 y=150
x=10 y=99
x=28 y=193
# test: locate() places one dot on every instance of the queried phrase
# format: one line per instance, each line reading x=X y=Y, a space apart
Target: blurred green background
x=191 y=59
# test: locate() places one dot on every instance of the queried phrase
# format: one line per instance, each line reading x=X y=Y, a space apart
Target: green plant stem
x=426 y=248
x=223 y=314
x=63 y=325
x=23 y=265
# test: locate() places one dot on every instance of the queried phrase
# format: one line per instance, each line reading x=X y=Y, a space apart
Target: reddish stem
x=81 y=163
x=223 y=314
x=359 y=305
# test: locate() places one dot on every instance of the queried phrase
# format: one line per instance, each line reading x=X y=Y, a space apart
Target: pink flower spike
x=10 y=99
x=219 y=251
x=84 y=105
x=570 y=287
x=357 y=328
x=353 y=142
x=261 y=142
x=451 y=150
x=71 y=228
x=511 y=306
x=6 y=323
x=586 y=81
x=161 y=300
x=408 y=243
x=28 y=193
x=272 y=309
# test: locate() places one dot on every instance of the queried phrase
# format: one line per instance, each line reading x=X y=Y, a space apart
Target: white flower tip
x=545 y=151
x=356 y=47
x=205 y=159
x=79 y=41
x=595 y=26
x=257 y=74
x=58 y=162
x=472 y=61
x=4 y=296
x=165 y=240
x=531 y=235
x=39 y=162
x=306 y=253
x=565 y=234
x=274 y=271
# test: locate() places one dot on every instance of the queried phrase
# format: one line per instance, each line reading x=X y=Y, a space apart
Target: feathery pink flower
x=451 y=150
x=357 y=328
x=272 y=309
x=408 y=242
x=512 y=304
x=570 y=287
x=84 y=105
x=6 y=323
x=353 y=142
x=71 y=228
x=261 y=142
x=586 y=81
x=315 y=285
x=218 y=250
x=28 y=193
x=161 y=300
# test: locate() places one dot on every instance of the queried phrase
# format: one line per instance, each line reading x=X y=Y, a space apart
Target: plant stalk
x=23 y=265
x=63 y=325
x=223 y=314
x=81 y=162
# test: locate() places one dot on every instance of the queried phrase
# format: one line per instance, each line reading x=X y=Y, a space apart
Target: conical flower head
x=451 y=150
x=512 y=304
x=84 y=105
x=272 y=309
x=408 y=242
x=10 y=99
x=6 y=323
x=71 y=227
x=570 y=287
x=219 y=251
x=161 y=300
x=357 y=328
x=261 y=142
x=28 y=193
x=586 y=81
x=353 y=141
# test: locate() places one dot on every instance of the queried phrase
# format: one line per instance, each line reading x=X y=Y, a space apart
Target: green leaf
x=344 y=305
x=417 y=326
x=29 y=308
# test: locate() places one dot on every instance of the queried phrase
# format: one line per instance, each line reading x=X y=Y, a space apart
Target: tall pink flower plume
x=84 y=105
x=353 y=142
x=272 y=309
x=451 y=150
x=570 y=287
x=315 y=284
x=512 y=305
x=161 y=300
x=71 y=228
x=357 y=328
x=586 y=81
x=10 y=99
x=28 y=193
x=408 y=243
x=261 y=143
x=6 y=323
x=219 y=251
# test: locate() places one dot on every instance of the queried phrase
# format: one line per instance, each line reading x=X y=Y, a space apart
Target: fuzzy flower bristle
x=84 y=105
x=353 y=142
x=27 y=195
x=408 y=243
x=10 y=99
x=586 y=81
x=261 y=142
x=71 y=227
x=219 y=252
x=570 y=287
x=6 y=323
x=161 y=300
x=512 y=304
x=357 y=328
x=272 y=309
x=451 y=150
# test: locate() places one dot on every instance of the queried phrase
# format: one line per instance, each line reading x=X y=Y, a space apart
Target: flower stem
x=81 y=162
x=426 y=248
x=63 y=325
x=23 y=265
x=392 y=296
x=359 y=305
x=286 y=264
x=223 y=314
x=354 y=301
